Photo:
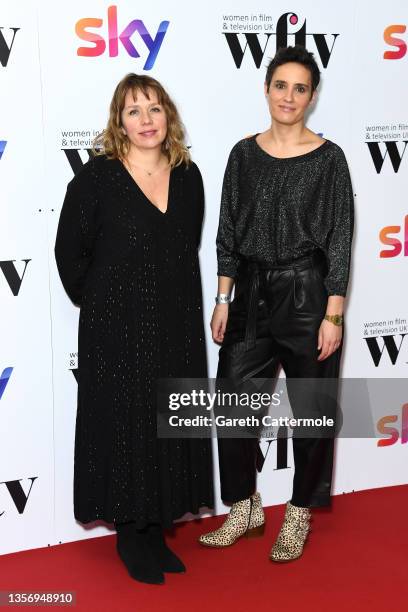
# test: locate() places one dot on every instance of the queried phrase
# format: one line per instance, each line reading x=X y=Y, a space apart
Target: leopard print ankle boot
x=293 y=534
x=246 y=518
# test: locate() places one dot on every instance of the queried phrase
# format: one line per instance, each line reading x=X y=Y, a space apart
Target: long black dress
x=135 y=273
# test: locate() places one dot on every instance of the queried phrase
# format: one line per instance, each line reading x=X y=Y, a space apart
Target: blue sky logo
x=2 y=147
x=4 y=378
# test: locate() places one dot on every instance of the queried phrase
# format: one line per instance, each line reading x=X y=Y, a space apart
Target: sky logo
x=4 y=378
x=393 y=41
x=2 y=147
x=153 y=45
x=392 y=433
x=397 y=245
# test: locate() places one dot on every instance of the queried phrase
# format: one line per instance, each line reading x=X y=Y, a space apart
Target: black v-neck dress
x=134 y=271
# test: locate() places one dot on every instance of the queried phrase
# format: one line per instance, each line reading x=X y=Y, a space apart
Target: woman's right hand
x=219 y=322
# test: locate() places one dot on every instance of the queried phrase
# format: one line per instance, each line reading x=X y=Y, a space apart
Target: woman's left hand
x=329 y=339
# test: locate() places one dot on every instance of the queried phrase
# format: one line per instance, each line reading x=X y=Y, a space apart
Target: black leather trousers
x=274 y=320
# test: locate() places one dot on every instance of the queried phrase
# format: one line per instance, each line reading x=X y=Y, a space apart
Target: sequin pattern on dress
x=135 y=273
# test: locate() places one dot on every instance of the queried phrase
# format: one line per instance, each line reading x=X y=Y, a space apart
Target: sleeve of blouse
x=76 y=234
x=340 y=240
x=227 y=257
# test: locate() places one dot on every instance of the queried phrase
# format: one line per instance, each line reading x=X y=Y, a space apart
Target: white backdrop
x=52 y=103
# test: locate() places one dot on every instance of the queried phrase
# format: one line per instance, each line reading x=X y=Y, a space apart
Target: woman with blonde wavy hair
x=127 y=253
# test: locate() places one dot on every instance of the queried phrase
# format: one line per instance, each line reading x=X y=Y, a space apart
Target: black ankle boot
x=135 y=550
x=169 y=562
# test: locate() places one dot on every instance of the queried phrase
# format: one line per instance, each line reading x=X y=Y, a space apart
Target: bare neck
x=148 y=158
x=287 y=135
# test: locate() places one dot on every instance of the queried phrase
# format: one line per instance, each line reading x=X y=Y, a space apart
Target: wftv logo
x=11 y=275
x=5 y=49
x=397 y=245
x=14 y=488
x=17 y=493
x=4 y=378
x=281 y=451
x=73 y=364
x=99 y=44
x=391 y=149
x=395 y=42
x=389 y=344
x=2 y=147
x=75 y=160
x=281 y=39
x=392 y=432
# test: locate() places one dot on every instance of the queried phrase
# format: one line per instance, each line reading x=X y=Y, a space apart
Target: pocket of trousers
x=310 y=294
x=299 y=292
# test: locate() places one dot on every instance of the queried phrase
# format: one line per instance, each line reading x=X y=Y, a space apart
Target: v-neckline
x=148 y=200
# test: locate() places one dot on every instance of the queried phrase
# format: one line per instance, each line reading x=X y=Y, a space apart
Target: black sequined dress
x=135 y=273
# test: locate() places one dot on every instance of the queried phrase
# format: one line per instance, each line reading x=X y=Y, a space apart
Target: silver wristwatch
x=223 y=298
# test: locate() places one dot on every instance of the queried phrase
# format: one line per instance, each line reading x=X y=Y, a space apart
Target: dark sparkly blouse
x=274 y=210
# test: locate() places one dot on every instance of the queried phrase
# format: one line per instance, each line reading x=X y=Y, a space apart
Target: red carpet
x=356 y=559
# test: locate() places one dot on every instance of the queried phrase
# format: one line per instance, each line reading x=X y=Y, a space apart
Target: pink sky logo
x=392 y=434
x=2 y=147
x=393 y=41
x=398 y=245
x=4 y=378
x=83 y=27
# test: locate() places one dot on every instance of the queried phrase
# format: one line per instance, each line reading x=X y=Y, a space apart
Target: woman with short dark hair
x=284 y=239
x=127 y=253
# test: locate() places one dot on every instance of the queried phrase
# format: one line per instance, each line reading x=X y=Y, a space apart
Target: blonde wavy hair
x=113 y=143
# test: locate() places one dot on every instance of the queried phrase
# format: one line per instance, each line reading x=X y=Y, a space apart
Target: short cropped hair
x=298 y=54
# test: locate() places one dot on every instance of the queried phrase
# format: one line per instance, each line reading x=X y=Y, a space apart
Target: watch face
x=336 y=319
